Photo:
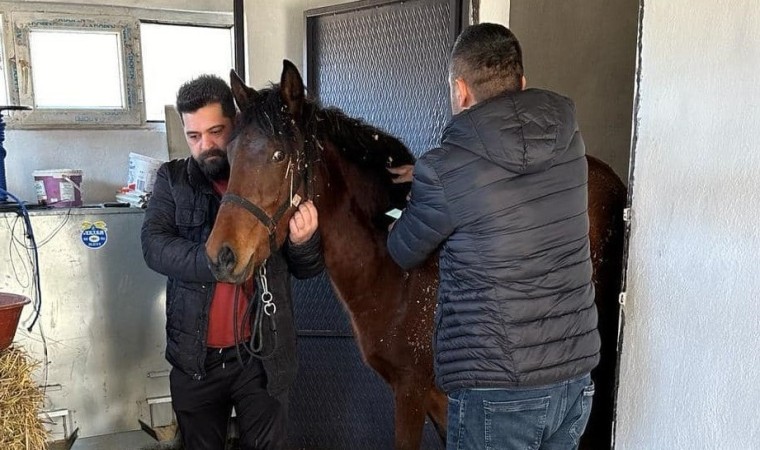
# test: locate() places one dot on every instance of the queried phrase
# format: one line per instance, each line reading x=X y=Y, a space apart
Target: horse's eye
x=278 y=156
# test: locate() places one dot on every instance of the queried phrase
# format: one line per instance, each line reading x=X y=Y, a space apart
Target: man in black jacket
x=504 y=201
x=210 y=326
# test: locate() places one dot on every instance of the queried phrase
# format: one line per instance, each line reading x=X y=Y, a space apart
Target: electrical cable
x=35 y=254
x=35 y=275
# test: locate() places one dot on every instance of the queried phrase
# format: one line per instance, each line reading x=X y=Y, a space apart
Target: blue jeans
x=547 y=418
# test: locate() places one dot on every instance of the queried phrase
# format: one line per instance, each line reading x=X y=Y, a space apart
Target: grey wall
x=585 y=49
x=690 y=357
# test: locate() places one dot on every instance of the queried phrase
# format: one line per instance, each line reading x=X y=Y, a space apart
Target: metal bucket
x=10 y=312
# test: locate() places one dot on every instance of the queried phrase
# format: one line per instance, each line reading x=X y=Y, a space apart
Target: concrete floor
x=130 y=440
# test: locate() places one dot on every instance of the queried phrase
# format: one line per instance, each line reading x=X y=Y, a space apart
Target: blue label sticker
x=94 y=234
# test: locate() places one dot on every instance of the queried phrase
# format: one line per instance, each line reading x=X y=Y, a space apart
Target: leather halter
x=303 y=176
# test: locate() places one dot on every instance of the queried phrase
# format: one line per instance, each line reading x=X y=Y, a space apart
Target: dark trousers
x=203 y=407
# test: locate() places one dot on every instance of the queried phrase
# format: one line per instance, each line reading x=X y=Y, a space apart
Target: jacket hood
x=523 y=132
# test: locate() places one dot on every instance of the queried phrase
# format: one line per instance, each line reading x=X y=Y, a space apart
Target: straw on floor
x=20 y=402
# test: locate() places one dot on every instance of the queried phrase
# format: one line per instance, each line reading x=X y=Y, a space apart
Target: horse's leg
x=410 y=413
x=437 y=408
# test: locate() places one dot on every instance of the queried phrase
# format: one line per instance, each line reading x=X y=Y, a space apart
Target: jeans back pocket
x=516 y=423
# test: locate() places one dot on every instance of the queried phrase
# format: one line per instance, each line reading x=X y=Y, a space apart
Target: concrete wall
x=690 y=356
x=585 y=49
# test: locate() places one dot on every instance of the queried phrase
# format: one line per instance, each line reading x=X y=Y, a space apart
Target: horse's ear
x=244 y=95
x=291 y=88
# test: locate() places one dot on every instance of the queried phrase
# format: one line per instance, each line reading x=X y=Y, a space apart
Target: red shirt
x=221 y=315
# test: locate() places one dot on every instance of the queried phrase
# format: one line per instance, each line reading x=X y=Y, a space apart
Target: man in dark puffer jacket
x=212 y=370
x=505 y=199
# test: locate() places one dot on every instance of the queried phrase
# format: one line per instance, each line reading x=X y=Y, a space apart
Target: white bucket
x=58 y=187
x=142 y=172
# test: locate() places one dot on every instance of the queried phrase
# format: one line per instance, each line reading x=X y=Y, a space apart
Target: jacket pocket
x=515 y=423
x=190 y=221
x=586 y=400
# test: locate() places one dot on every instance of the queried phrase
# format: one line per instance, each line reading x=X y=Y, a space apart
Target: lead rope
x=269 y=309
x=264 y=307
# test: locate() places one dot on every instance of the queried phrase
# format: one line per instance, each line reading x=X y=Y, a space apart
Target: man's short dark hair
x=203 y=91
x=488 y=58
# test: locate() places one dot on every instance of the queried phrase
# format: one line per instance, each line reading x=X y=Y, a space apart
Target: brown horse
x=291 y=147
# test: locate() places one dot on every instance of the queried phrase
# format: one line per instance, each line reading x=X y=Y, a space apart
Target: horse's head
x=268 y=167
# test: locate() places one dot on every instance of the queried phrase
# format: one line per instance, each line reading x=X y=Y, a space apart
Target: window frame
x=127 y=29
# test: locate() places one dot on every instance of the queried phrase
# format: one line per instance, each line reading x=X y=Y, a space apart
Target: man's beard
x=217 y=168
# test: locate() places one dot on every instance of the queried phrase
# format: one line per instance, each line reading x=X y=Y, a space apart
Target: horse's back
x=606 y=202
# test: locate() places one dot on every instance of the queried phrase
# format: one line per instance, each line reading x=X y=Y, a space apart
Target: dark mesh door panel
x=387 y=65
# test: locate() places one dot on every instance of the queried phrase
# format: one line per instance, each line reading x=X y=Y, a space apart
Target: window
x=174 y=54
x=86 y=64
x=78 y=69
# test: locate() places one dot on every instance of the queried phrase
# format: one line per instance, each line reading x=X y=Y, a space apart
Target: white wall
x=494 y=11
x=275 y=32
x=103 y=155
x=691 y=348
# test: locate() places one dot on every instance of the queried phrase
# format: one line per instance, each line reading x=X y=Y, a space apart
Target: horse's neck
x=355 y=251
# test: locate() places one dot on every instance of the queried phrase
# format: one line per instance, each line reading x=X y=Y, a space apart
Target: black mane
x=361 y=143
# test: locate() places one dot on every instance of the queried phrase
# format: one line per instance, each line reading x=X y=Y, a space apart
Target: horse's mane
x=360 y=143
x=364 y=145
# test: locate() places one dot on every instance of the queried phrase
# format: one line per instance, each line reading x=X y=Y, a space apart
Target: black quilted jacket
x=504 y=199
x=178 y=221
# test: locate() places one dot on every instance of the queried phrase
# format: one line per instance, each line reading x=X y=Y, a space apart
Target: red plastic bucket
x=10 y=312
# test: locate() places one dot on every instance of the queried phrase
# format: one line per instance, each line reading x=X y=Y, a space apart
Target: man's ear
x=524 y=82
x=464 y=98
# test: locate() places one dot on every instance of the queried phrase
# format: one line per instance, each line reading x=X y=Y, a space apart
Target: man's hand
x=403 y=174
x=304 y=223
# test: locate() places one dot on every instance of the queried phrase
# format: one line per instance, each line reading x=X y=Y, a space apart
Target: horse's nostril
x=226 y=261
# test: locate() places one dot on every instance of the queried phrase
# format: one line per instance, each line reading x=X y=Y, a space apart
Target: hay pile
x=20 y=402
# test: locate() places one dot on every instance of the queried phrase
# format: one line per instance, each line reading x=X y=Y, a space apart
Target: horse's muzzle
x=224 y=267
